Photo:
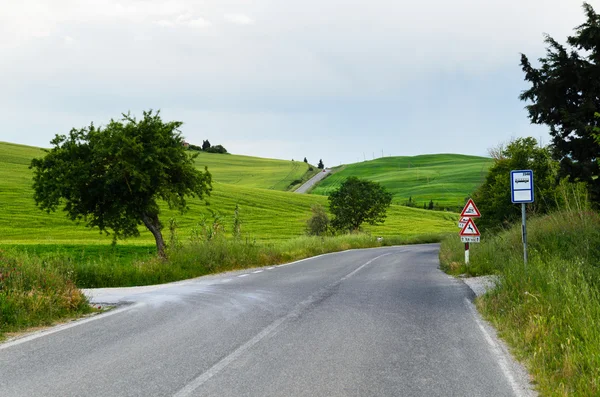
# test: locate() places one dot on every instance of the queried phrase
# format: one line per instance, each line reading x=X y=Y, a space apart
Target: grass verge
x=549 y=310
x=37 y=292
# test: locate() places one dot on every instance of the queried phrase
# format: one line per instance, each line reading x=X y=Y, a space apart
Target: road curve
x=378 y=322
x=312 y=181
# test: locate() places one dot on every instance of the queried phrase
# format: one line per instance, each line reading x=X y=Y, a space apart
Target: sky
x=337 y=80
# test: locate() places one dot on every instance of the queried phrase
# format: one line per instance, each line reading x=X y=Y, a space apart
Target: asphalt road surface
x=311 y=182
x=378 y=322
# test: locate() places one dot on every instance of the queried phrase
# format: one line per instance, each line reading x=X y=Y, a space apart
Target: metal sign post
x=468 y=231
x=521 y=192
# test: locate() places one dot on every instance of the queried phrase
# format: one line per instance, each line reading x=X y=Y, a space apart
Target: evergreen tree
x=321 y=165
x=565 y=95
x=205 y=145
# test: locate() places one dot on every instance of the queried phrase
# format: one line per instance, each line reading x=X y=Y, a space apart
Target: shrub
x=318 y=223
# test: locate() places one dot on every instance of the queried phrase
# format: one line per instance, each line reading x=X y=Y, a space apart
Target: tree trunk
x=153 y=224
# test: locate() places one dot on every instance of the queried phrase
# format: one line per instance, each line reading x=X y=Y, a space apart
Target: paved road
x=379 y=322
x=311 y=182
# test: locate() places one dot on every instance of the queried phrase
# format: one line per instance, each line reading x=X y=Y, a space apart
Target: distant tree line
x=207 y=147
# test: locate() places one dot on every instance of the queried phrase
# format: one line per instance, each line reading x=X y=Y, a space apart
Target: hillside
x=444 y=178
x=253 y=171
x=266 y=214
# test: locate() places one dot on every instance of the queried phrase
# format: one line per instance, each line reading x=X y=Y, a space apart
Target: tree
x=113 y=177
x=205 y=145
x=493 y=196
x=565 y=95
x=216 y=149
x=318 y=223
x=321 y=165
x=305 y=160
x=358 y=201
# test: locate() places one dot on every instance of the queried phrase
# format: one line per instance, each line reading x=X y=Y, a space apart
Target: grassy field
x=254 y=171
x=267 y=215
x=444 y=178
x=549 y=310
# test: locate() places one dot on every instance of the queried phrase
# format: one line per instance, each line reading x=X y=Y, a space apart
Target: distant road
x=377 y=322
x=310 y=183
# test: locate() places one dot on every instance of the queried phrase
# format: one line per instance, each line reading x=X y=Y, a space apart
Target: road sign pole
x=467 y=254
x=524 y=232
x=522 y=192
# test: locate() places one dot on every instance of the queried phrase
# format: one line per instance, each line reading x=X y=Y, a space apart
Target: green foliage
x=548 y=311
x=318 y=223
x=216 y=149
x=321 y=165
x=358 y=201
x=205 y=145
x=493 y=196
x=112 y=178
x=565 y=95
x=444 y=178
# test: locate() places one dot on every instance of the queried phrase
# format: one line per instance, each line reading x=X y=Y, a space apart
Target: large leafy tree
x=565 y=95
x=358 y=201
x=114 y=177
x=493 y=196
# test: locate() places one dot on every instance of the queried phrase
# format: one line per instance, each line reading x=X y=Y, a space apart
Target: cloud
x=238 y=19
x=346 y=64
x=184 y=20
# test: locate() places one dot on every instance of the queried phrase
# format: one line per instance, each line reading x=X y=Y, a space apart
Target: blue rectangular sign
x=521 y=186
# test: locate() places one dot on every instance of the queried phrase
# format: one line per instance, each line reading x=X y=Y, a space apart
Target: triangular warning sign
x=470 y=210
x=470 y=230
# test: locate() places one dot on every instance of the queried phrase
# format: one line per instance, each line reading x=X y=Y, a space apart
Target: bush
x=318 y=224
x=216 y=149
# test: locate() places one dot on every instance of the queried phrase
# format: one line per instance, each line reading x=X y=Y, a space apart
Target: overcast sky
x=340 y=80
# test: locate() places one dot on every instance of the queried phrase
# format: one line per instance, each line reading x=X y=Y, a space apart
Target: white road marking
x=243 y=275
x=59 y=328
x=497 y=351
x=271 y=268
x=258 y=271
x=298 y=309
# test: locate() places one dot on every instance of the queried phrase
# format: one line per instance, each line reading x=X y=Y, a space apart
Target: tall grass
x=35 y=291
x=549 y=309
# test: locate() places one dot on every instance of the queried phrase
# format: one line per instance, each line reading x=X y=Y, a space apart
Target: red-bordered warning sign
x=470 y=230
x=470 y=210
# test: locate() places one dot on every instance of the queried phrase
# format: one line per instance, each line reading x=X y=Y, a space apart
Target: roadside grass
x=444 y=178
x=549 y=310
x=36 y=291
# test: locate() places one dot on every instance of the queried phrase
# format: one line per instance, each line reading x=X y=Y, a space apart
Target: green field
x=254 y=171
x=444 y=178
x=267 y=215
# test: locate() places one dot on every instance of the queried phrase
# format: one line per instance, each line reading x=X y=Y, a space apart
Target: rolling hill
x=266 y=215
x=444 y=178
x=254 y=171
